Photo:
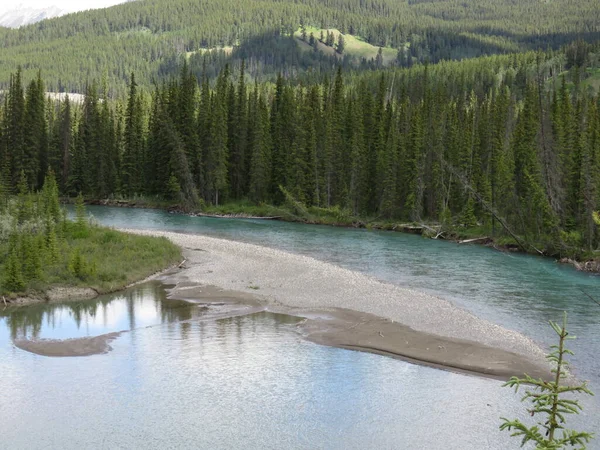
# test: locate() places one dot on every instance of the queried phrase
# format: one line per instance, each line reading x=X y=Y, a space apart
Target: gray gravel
x=301 y=283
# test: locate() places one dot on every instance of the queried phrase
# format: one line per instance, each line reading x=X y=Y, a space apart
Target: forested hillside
x=149 y=36
x=510 y=143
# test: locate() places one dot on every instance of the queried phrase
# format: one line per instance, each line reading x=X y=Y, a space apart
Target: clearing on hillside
x=353 y=45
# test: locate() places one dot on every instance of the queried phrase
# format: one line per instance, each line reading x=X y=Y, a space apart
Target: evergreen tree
x=217 y=154
x=13 y=280
x=131 y=181
x=15 y=127
x=260 y=168
x=238 y=160
x=341 y=44
x=35 y=149
x=64 y=138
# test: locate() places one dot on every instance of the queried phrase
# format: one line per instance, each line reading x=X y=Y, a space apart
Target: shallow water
x=175 y=381
x=520 y=292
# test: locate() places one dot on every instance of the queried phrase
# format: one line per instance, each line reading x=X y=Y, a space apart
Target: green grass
x=201 y=51
x=593 y=80
x=354 y=45
x=590 y=83
x=114 y=259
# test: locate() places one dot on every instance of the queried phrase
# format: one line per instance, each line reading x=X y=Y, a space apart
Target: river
x=177 y=381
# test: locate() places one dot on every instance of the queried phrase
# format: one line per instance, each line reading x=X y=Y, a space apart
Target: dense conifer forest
x=149 y=36
x=509 y=143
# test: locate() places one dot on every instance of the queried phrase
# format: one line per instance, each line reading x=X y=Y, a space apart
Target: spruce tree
x=548 y=400
x=35 y=149
x=13 y=278
x=218 y=151
x=260 y=168
x=358 y=182
x=185 y=118
x=49 y=196
x=15 y=127
x=341 y=45
x=131 y=181
x=238 y=160
x=65 y=138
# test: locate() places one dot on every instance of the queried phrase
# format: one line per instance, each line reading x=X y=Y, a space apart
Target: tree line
x=510 y=143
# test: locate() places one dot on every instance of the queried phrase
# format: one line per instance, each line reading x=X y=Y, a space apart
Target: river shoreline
x=60 y=294
x=591 y=266
x=347 y=309
x=339 y=308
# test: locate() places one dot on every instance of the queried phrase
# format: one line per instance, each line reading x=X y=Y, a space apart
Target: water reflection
x=520 y=292
x=179 y=381
x=139 y=306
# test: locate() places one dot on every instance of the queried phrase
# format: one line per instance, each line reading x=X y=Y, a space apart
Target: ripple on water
x=244 y=382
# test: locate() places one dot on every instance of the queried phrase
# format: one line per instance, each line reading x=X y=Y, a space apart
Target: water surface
x=520 y=292
x=175 y=381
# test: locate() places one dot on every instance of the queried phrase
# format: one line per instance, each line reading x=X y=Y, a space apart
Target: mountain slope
x=20 y=16
x=149 y=36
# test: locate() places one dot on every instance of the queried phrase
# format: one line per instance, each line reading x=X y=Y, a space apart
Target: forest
x=148 y=37
x=509 y=144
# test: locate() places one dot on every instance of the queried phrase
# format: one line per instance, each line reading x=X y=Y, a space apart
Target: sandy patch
x=68 y=347
x=391 y=319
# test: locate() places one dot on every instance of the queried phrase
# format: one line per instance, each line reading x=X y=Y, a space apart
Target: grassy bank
x=41 y=249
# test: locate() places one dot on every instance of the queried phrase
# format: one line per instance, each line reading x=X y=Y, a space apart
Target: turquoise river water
x=174 y=380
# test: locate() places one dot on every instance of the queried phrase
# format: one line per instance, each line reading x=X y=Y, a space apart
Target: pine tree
x=131 y=182
x=283 y=134
x=590 y=175
x=35 y=149
x=50 y=240
x=30 y=252
x=15 y=126
x=13 y=278
x=335 y=165
x=80 y=214
x=379 y=59
x=260 y=169
x=414 y=169
x=330 y=39
x=87 y=146
x=65 y=136
x=185 y=118
x=341 y=45
x=204 y=120
x=548 y=399
x=217 y=155
x=49 y=195
x=158 y=148
x=238 y=161
x=534 y=209
x=373 y=122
